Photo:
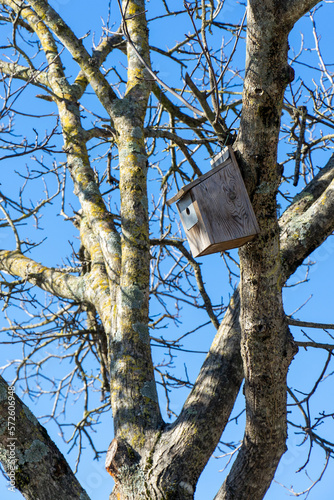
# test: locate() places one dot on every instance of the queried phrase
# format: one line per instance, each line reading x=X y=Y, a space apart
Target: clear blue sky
x=82 y=17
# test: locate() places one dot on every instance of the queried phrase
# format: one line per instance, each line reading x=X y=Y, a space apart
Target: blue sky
x=317 y=293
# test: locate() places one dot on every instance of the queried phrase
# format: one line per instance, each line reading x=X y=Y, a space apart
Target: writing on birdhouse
x=215 y=209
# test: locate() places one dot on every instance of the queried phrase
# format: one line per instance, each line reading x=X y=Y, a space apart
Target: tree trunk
x=266 y=345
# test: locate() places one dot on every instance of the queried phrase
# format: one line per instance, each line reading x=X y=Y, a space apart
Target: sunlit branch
x=78 y=52
x=12 y=225
x=51 y=280
x=309 y=324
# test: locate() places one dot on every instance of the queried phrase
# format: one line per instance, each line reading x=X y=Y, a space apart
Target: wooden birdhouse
x=215 y=209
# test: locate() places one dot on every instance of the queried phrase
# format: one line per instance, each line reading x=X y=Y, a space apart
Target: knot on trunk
x=120 y=457
x=288 y=74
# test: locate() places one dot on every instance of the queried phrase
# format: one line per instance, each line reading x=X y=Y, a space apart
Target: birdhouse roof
x=221 y=156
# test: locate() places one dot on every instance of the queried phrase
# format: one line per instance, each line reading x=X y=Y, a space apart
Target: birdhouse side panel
x=225 y=207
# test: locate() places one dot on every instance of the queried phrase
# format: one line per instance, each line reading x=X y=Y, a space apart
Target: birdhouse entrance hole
x=215 y=209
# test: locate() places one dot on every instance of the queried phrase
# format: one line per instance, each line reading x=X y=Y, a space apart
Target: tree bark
x=266 y=345
x=182 y=449
x=31 y=459
x=147 y=458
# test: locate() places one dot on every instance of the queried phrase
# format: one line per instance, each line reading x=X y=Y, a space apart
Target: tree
x=98 y=299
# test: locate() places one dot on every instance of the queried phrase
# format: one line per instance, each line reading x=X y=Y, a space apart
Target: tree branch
x=76 y=48
x=56 y=76
x=38 y=78
x=51 y=280
x=305 y=232
x=25 y=447
x=309 y=324
x=192 y=122
x=196 y=432
x=99 y=56
x=293 y=10
x=198 y=275
x=316 y=345
x=309 y=194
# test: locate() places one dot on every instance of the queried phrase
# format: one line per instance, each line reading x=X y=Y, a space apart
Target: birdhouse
x=215 y=209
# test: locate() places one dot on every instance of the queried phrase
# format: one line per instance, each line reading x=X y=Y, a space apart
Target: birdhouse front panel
x=215 y=209
x=197 y=235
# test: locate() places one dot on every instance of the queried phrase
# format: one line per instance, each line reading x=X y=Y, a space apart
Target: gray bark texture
x=41 y=471
x=149 y=459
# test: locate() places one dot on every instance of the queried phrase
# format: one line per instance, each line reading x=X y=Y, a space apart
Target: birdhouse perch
x=215 y=209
